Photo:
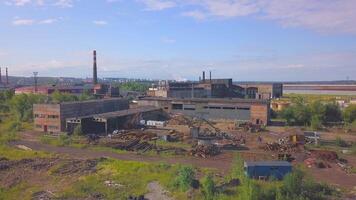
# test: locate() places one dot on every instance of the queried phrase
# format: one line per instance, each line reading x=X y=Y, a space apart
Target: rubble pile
x=205 y=151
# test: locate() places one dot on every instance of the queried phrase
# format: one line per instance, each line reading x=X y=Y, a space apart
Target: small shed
x=266 y=169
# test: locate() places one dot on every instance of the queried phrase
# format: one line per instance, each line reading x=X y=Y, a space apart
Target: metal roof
x=208 y=100
x=267 y=163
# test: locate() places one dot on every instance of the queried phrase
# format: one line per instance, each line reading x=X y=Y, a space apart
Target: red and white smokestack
x=95 y=73
x=7 y=77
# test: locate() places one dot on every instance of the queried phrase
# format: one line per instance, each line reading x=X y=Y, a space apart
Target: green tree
x=134 y=86
x=332 y=113
x=208 y=187
x=315 y=122
x=350 y=114
x=58 y=97
x=21 y=105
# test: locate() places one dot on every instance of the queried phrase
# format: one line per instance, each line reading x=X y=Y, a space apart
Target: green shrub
x=184 y=178
x=208 y=187
x=64 y=140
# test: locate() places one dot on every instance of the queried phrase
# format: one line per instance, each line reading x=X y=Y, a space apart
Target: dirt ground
x=221 y=162
x=156 y=192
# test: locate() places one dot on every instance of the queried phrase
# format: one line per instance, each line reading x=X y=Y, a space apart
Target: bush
x=65 y=140
x=208 y=187
x=350 y=114
x=185 y=178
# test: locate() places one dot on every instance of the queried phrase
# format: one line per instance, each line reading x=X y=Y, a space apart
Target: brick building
x=52 y=117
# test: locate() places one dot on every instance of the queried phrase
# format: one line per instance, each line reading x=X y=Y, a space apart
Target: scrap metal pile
x=205 y=151
x=282 y=145
x=130 y=141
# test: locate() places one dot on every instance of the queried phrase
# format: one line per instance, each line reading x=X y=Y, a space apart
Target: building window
x=40 y=116
x=229 y=108
x=53 y=116
x=189 y=108
x=177 y=106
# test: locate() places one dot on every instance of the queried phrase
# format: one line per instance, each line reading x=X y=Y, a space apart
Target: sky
x=247 y=40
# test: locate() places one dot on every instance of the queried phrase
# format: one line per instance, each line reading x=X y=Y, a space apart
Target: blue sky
x=274 y=40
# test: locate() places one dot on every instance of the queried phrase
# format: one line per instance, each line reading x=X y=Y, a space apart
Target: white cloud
x=26 y=22
x=47 y=21
x=100 y=22
x=328 y=16
x=23 y=22
x=20 y=2
x=158 y=4
x=198 y=15
x=64 y=3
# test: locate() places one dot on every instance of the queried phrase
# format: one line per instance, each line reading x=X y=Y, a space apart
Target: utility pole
x=35 y=74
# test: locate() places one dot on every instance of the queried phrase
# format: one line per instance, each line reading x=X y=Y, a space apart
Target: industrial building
x=245 y=110
x=215 y=88
x=106 y=123
x=262 y=90
x=267 y=169
x=52 y=117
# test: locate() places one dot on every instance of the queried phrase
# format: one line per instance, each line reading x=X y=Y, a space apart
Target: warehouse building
x=245 y=110
x=52 y=117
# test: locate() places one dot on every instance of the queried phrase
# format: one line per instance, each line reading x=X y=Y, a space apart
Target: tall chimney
x=203 y=76
x=0 y=76
x=7 y=77
x=95 y=73
x=210 y=76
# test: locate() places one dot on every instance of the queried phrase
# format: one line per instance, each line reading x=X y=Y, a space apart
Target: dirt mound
x=324 y=155
x=80 y=167
x=39 y=164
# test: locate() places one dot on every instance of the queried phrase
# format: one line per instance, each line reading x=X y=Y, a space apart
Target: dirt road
x=221 y=162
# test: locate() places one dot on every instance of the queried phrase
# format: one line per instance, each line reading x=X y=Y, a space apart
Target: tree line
x=317 y=113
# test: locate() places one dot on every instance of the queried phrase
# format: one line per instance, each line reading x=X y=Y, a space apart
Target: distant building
x=267 y=169
x=247 y=110
x=100 y=90
x=215 y=88
x=263 y=90
x=52 y=117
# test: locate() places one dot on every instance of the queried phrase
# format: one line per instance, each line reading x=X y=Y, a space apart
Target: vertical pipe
x=210 y=76
x=95 y=74
x=203 y=76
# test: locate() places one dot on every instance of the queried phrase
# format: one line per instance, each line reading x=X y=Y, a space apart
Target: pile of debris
x=277 y=147
x=205 y=151
x=130 y=141
x=179 y=120
x=324 y=159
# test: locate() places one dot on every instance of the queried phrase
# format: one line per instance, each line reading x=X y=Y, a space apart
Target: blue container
x=267 y=169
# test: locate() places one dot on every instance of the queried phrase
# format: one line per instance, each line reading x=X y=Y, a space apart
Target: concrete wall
x=255 y=112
